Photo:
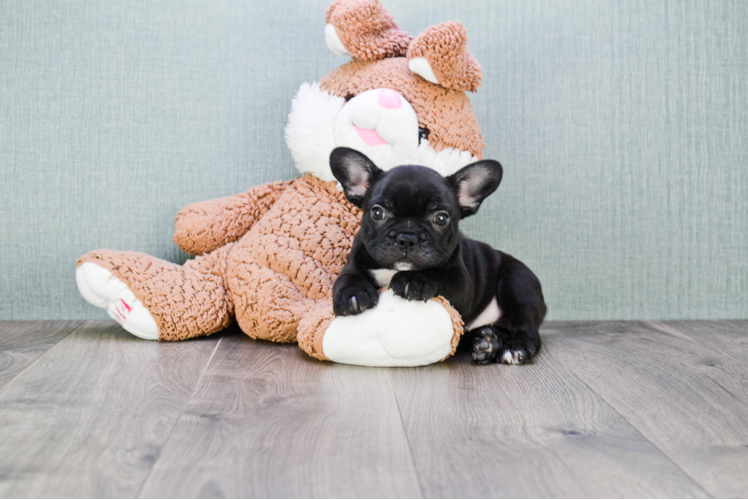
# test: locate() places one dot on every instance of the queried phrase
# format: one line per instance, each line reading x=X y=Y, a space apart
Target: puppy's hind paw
x=486 y=345
x=517 y=351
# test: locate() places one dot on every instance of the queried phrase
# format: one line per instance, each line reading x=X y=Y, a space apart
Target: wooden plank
x=268 y=421
x=530 y=431
x=687 y=399
x=22 y=342
x=89 y=418
x=729 y=337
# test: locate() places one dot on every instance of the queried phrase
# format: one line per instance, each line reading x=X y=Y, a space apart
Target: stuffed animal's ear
x=355 y=171
x=364 y=29
x=475 y=183
x=440 y=55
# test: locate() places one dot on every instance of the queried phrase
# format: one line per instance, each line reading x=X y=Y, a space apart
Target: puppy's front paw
x=412 y=285
x=355 y=299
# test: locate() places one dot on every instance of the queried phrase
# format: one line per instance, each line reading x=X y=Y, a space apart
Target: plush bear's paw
x=355 y=299
x=102 y=289
x=412 y=285
x=397 y=332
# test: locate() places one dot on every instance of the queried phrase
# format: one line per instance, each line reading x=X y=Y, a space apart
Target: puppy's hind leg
x=520 y=297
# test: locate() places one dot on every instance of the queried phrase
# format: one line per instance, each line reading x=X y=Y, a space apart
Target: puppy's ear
x=475 y=183
x=355 y=171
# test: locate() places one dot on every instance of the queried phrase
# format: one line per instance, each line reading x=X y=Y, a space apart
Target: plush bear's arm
x=207 y=225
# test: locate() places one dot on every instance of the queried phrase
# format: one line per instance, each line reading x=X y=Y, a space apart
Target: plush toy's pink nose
x=389 y=99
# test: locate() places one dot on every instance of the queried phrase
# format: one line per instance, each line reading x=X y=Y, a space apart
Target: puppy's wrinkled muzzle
x=406 y=241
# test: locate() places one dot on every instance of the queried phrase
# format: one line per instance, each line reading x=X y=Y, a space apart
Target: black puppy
x=409 y=239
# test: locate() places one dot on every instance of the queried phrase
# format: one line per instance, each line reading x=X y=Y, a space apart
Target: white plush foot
x=101 y=289
x=397 y=332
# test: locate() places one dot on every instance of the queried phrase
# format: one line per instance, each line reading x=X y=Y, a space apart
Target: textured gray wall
x=622 y=126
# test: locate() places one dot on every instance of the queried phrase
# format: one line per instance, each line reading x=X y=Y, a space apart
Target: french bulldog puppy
x=410 y=241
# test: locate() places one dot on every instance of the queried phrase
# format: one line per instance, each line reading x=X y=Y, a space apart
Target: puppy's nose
x=406 y=241
x=389 y=99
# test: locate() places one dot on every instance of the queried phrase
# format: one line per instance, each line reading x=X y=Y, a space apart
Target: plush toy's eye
x=349 y=97
x=423 y=135
x=378 y=213
x=441 y=218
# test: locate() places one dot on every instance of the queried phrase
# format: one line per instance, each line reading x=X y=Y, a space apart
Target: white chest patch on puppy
x=489 y=315
x=382 y=276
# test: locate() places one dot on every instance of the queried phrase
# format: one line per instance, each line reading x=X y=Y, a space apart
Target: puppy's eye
x=423 y=135
x=378 y=213
x=441 y=218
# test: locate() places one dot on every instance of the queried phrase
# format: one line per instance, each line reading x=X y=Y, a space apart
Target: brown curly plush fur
x=290 y=258
x=445 y=48
x=366 y=29
x=205 y=226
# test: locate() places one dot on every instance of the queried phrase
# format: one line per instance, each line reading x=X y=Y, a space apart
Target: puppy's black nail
x=405 y=291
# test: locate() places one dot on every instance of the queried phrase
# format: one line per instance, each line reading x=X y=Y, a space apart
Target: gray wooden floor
x=608 y=409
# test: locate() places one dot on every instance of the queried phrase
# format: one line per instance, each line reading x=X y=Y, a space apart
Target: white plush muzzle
x=379 y=123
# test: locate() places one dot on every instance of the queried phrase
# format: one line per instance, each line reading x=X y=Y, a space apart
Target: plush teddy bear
x=269 y=256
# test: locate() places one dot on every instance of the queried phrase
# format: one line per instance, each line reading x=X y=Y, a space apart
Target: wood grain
x=268 y=421
x=729 y=337
x=22 y=342
x=89 y=418
x=611 y=409
x=689 y=400
x=529 y=431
